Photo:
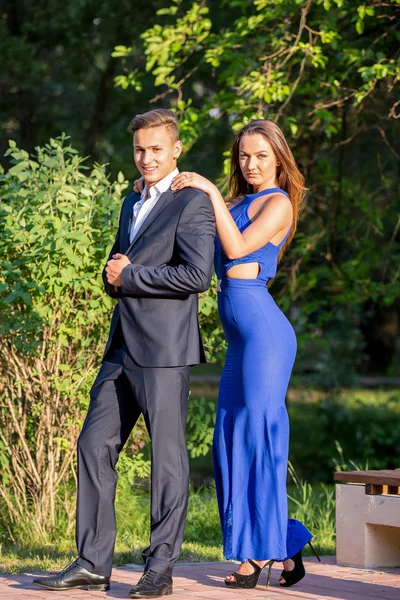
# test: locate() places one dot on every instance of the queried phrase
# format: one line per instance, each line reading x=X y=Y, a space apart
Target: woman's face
x=257 y=161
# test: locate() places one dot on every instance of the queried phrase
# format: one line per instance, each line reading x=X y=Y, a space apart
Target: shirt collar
x=161 y=186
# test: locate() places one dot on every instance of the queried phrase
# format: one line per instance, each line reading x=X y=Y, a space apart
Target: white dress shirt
x=142 y=208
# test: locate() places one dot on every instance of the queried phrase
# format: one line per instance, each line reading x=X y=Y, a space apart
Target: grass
x=314 y=505
x=363 y=421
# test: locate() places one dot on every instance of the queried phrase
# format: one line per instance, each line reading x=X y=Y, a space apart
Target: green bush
x=364 y=426
x=56 y=222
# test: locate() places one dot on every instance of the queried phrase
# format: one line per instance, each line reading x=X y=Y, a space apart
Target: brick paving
x=204 y=581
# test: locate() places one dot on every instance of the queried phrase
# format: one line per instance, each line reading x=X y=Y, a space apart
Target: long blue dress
x=251 y=439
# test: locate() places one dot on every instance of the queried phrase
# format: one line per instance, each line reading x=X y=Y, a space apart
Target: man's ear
x=177 y=149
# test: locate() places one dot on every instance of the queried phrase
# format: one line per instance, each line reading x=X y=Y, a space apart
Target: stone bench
x=368 y=518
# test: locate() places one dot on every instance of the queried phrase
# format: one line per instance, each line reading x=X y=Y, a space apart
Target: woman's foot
x=288 y=565
x=293 y=569
x=246 y=568
x=248 y=574
x=295 y=574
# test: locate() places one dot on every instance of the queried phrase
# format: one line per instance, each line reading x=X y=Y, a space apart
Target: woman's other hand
x=138 y=185
x=187 y=179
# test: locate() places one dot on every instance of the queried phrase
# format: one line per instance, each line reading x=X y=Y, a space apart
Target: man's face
x=155 y=153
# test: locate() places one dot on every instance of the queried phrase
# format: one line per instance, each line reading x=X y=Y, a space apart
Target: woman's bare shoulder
x=272 y=201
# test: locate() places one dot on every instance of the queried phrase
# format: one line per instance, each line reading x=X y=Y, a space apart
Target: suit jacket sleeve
x=194 y=246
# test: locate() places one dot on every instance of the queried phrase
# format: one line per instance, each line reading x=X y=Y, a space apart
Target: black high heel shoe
x=296 y=574
x=249 y=581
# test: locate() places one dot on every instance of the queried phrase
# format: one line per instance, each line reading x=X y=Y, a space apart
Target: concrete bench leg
x=367 y=528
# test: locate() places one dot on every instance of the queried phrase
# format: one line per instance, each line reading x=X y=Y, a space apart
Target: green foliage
x=326 y=71
x=343 y=431
x=270 y=52
x=203 y=524
x=56 y=222
x=340 y=464
x=330 y=347
x=133 y=467
x=200 y=426
x=303 y=64
x=213 y=337
x=167 y=47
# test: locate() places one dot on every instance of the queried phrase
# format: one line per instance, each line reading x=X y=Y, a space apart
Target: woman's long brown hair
x=288 y=175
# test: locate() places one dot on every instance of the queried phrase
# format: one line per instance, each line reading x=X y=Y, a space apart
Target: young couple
x=161 y=259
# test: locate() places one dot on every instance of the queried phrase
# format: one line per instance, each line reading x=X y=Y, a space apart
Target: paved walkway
x=202 y=581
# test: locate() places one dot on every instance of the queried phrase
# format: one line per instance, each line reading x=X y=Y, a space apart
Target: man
x=161 y=260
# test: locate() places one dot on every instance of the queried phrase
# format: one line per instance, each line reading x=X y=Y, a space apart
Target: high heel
x=270 y=563
x=249 y=581
x=312 y=548
x=296 y=574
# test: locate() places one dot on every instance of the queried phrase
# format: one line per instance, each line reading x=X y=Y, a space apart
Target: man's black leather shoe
x=74 y=576
x=152 y=585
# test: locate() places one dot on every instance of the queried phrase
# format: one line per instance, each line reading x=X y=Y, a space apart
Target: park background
x=72 y=77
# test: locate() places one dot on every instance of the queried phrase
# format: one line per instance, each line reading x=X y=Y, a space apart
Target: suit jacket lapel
x=126 y=221
x=161 y=203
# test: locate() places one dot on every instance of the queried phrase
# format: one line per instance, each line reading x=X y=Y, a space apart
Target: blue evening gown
x=251 y=439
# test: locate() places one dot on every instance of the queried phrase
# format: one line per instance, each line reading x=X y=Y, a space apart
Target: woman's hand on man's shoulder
x=194 y=180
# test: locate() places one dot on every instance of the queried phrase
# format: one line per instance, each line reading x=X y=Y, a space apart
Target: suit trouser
x=121 y=391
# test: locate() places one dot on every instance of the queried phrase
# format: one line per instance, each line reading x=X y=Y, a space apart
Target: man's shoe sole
x=165 y=592
x=102 y=587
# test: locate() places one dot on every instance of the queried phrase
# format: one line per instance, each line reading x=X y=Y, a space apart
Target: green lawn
x=314 y=505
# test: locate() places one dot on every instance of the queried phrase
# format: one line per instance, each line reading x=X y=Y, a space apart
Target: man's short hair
x=159 y=117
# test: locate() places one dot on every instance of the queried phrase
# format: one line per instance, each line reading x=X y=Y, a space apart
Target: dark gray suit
x=154 y=340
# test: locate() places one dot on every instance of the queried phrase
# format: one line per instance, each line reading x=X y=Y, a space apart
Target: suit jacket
x=171 y=262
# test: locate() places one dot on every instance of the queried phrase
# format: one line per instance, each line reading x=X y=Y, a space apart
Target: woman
x=250 y=448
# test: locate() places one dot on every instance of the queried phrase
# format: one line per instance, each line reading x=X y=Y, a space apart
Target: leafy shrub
x=56 y=222
x=363 y=428
x=200 y=426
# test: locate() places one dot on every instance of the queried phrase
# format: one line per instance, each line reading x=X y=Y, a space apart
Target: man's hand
x=114 y=268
